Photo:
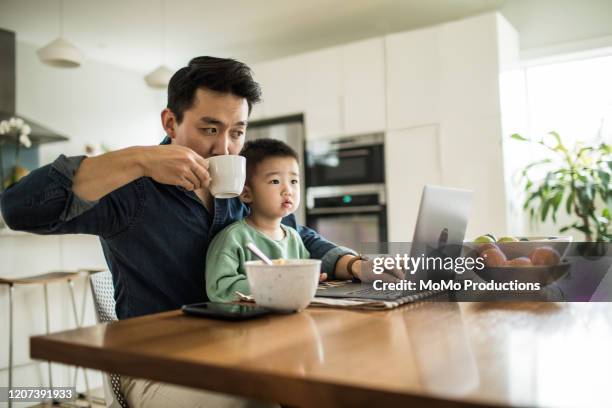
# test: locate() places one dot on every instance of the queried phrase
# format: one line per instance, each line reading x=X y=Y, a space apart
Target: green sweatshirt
x=227 y=253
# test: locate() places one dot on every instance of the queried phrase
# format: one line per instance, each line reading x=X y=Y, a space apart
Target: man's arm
x=166 y=164
x=335 y=259
x=49 y=199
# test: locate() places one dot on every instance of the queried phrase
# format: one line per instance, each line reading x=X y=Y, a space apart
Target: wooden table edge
x=234 y=380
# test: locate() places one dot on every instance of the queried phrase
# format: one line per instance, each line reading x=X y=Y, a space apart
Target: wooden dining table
x=425 y=354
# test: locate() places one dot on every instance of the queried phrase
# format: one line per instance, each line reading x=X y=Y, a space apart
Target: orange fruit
x=520 y=261
x=546 y=256
x=494 y=257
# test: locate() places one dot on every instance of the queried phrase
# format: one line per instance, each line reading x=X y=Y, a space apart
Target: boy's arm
x=329 y=253
x=335 y=259
x=223 y=278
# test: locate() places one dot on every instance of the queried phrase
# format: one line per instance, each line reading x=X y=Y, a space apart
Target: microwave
x=346 y=161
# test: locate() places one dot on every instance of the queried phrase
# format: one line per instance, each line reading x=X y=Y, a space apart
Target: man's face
x=215 y=125
x=273 y=191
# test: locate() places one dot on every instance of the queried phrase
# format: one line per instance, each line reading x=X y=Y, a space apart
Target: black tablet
x=225 y=311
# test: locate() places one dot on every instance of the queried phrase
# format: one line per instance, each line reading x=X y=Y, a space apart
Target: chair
x=43 y=279
x=103 y=293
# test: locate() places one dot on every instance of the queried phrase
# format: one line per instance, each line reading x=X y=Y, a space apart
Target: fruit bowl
x=525 y=245
x=534 y=259
x=544 y=275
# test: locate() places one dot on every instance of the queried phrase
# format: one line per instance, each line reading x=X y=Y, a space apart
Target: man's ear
x=246 y=196
x=169 y=122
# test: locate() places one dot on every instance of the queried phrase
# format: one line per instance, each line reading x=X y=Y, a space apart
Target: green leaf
x=570 y=201
x=544 y=212
x=604 y=177
x=519 y=137
x=556 y=201
x=536 y=163
x=581 y=228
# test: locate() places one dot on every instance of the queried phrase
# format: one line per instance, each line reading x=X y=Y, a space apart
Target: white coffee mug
x=227 y=175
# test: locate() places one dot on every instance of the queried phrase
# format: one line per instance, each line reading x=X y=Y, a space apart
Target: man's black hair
x=223 y=75
x=258 y=150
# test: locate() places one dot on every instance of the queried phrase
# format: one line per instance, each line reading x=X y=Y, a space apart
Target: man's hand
x=364 y=271
x=176 y=165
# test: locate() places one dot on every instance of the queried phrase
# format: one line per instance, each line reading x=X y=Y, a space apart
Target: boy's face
x=273 y=191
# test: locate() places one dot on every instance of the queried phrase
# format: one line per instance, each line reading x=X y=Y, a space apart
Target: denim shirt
x=154 y=236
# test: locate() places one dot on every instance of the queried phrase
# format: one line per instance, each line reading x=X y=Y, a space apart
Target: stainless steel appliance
x=346 y=201
x=289 y=129
x=346 y=161
x=348 y=215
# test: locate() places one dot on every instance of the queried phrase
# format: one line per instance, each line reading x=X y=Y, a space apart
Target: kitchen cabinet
x=345 y=90
x=413 y=75
x=447 y=77
x=340 y=90
x=363 y=107
x=282 y=84
x=323 y=107
x=412 y=160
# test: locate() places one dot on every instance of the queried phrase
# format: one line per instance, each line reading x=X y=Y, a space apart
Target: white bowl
x=286 y=287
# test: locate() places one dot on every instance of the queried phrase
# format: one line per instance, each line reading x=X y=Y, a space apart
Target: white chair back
x=103 y=292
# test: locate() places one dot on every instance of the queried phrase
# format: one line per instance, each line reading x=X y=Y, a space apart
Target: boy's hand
x=322 y=277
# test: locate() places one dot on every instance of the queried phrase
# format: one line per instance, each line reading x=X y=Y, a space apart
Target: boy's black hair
x=258 y=150
x=223 y=75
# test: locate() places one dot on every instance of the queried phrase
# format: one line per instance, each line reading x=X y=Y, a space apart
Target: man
x=151 y=206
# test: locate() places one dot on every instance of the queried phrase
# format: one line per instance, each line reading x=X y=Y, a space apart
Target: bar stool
x=43 y=279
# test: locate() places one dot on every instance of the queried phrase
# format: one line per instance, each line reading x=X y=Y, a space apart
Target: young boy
x=272 y=191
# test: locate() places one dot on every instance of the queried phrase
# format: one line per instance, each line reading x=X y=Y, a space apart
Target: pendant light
x=60 y=52
x=160 y=76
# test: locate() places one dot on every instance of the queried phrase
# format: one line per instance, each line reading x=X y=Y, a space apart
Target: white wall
x=548 y=27
x=91 y=104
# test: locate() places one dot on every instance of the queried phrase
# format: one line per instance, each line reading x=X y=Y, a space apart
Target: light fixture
x=159 y=78
x=60 y=52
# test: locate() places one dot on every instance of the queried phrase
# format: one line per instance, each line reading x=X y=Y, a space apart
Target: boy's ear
x=246 y=196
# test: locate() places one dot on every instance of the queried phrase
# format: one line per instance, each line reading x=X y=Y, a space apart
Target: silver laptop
x=441 y=223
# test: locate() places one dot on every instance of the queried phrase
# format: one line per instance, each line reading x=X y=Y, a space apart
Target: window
x=573 y=98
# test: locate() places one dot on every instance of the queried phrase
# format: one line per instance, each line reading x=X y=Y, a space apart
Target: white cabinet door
x=469 y=68
x=363 y=74
x=413 y=70
x=412 y=159
x=261 y=76
x=283 y=86
x=323 y=94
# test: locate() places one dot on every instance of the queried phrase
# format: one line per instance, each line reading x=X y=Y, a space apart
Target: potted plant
x=13 y=131
x=576 y=179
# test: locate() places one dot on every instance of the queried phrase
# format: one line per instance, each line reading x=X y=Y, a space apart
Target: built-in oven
x=348 y=215
x=346 y=161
